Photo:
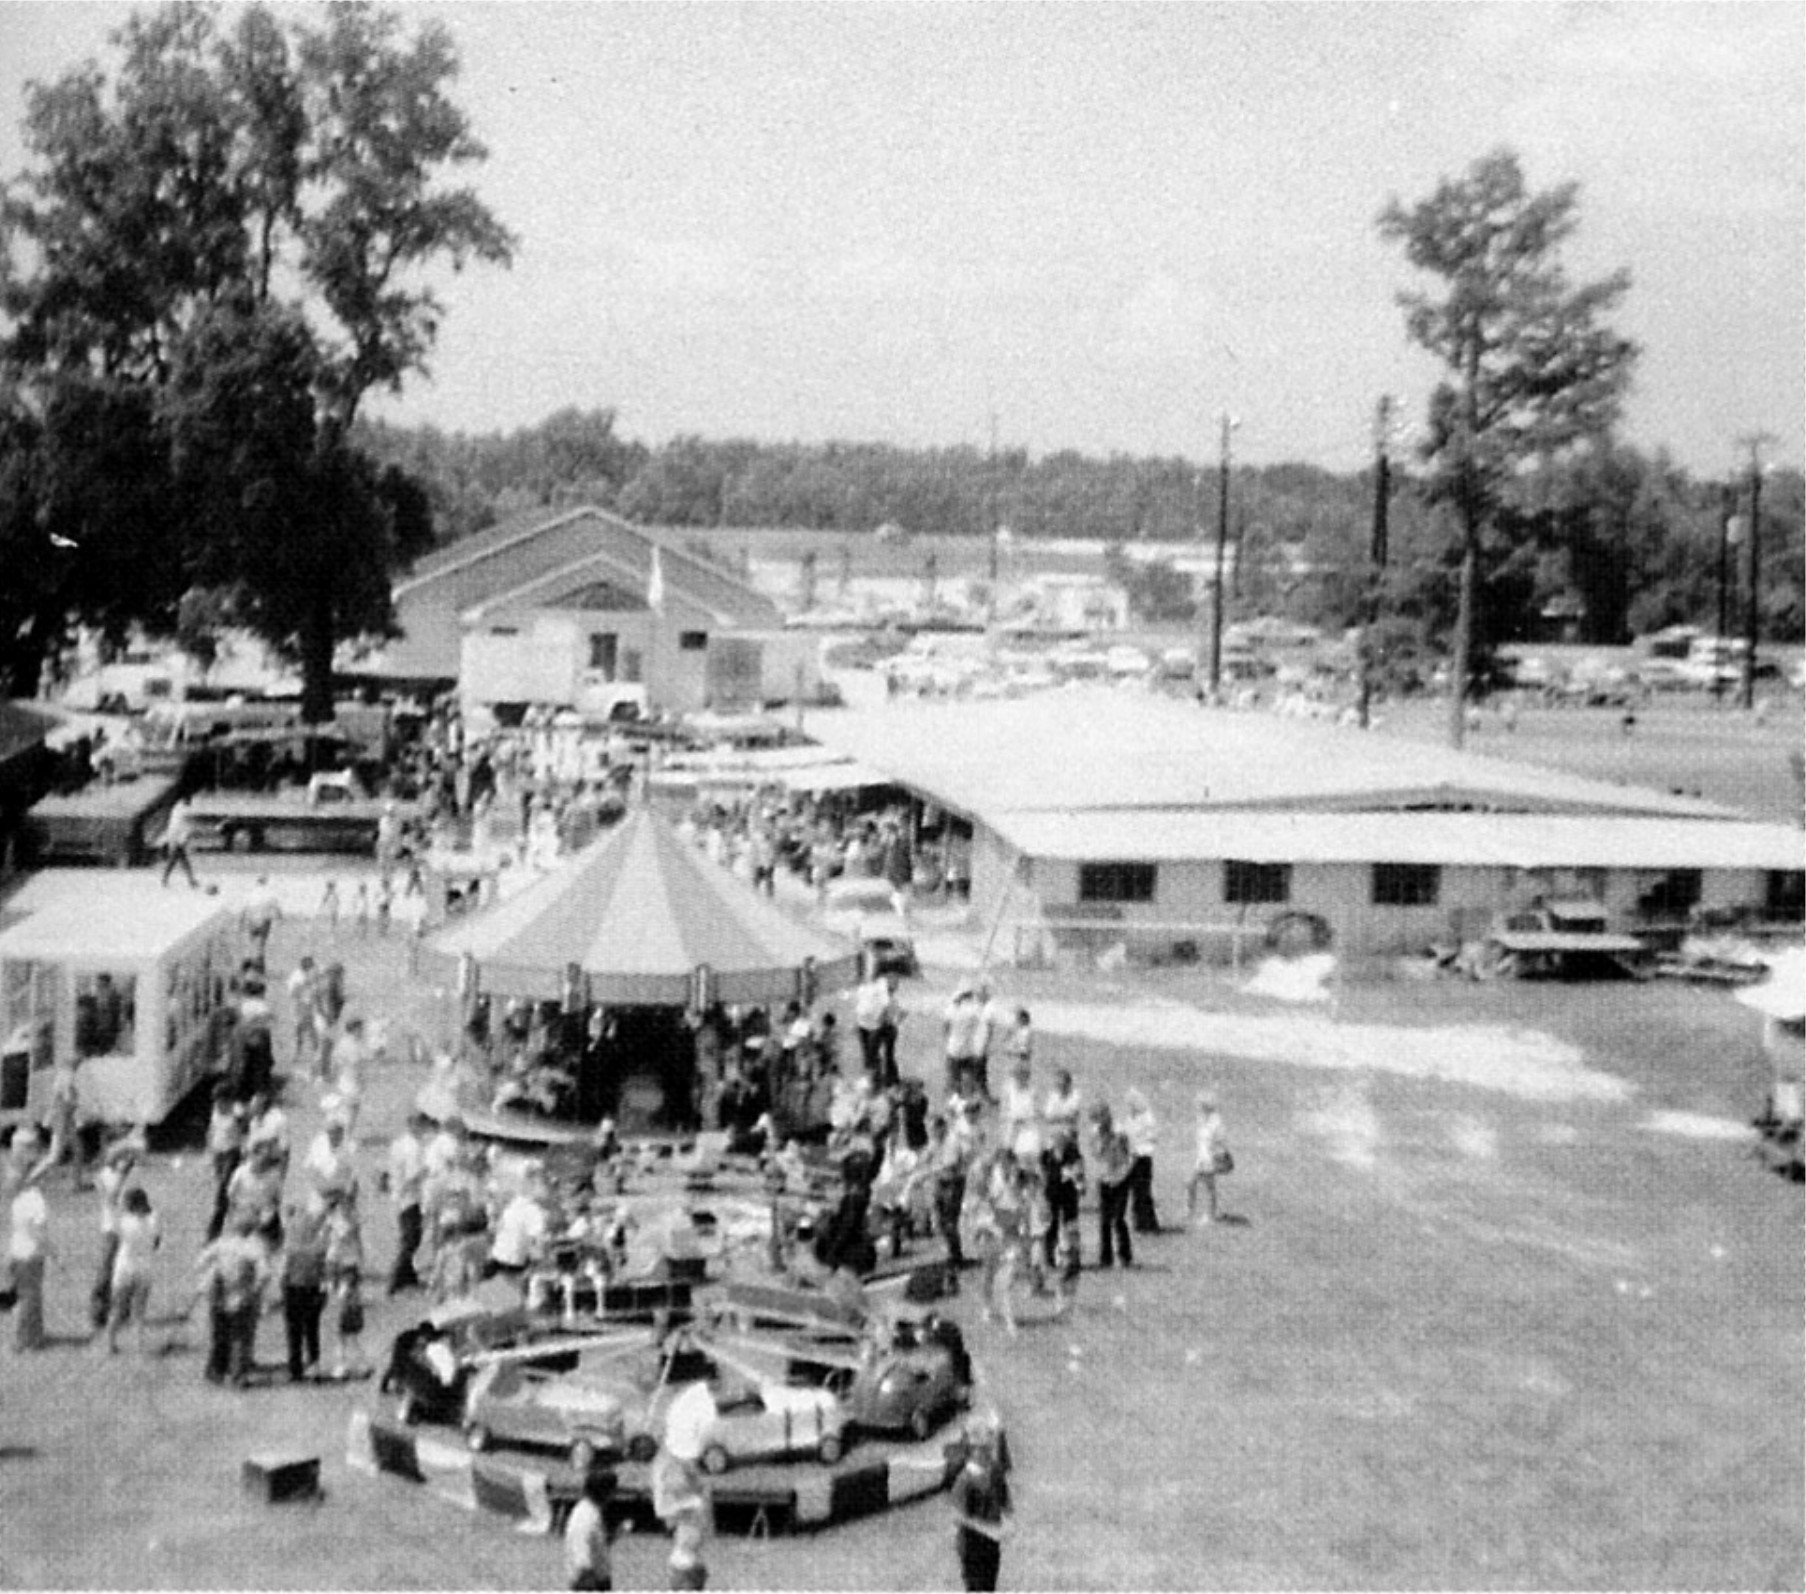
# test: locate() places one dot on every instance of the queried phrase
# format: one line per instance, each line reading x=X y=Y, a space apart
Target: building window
x=1116 y=882
x=603 y=650
x=1406 y=885
x=630 y=666
x=1256 y=882
x=1673 y=895
x=504 y=630
x=692 y=641
x=1785 y=898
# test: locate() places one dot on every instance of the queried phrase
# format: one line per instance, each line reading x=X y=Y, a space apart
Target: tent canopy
x=639 y=912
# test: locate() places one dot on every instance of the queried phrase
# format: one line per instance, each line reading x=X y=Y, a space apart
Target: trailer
x=120 y=975
x=328 y=815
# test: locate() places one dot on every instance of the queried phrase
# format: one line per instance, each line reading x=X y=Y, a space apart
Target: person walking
x=587 y=1538
x=962 y=1028
x=1143 y=1131
x=178 y=832
x=406 y=1181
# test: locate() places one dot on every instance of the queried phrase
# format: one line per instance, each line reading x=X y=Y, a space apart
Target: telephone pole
x=1378 y=550
x=1752 y=618
x=1216 y=579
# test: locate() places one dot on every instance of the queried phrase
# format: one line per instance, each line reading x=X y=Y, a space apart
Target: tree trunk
x=316 y=663
x=1459 y=665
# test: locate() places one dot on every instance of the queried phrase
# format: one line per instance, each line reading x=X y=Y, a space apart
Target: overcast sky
x=1104 y=224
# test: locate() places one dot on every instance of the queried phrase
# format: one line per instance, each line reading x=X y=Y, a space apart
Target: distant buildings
x=580 y=609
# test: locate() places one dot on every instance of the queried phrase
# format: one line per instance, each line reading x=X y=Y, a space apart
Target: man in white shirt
x=520 y=1232
x=963 y=1026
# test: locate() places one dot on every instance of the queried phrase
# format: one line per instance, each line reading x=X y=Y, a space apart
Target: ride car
x=430 y=1364
x=864 y=909
x=914 y=1383
x=516 y=1403
x=765 y=1421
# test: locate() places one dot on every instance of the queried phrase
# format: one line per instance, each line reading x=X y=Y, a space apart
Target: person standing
x=406 y=1180
x=304 y=1288
x=303 y=1003
x=115 y=1171
x=261 y=911
x=139 y=1236
x=28 y=1247
x=1212 y=1159
x=982 y=1507
x=1063 y=1174
x=871 y=1001
x=587 y=1538
x=1143 y=1131
x=1113 y=1163
x=231 y=1275
x=178 y=832
x=225 y=1148
x=962 y=1027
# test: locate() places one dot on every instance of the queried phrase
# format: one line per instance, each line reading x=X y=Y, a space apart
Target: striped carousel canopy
x=639 y=913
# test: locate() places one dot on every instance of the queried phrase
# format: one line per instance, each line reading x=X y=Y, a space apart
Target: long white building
x=1087 y=814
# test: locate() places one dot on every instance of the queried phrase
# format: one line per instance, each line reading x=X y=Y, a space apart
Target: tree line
x=218 y=248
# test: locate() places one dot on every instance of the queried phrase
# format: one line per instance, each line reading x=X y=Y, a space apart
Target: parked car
x=864 y=909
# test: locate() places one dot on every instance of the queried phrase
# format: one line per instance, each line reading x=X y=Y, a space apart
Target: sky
x=1082 y=226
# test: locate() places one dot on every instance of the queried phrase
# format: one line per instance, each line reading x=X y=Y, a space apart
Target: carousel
x=591 y=995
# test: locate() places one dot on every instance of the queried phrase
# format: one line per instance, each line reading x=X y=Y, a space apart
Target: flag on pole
x=655 y=583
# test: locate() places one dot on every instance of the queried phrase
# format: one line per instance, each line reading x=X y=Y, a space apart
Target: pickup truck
x=329 y=814
x=1558 y=938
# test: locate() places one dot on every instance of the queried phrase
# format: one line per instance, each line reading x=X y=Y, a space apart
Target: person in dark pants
x=982 y=1505
x=1143 y=1131
x=1063 y=1175
x=304 y=1290
x=946 y=1156
x=232 y=1271
x=1113 y=1168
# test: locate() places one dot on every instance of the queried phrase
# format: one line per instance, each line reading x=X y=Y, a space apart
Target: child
x=139 y=1237
x=1212 y=1159
x=1066 y=1269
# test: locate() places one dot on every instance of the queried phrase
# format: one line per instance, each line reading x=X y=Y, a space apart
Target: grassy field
x=1465 y=1336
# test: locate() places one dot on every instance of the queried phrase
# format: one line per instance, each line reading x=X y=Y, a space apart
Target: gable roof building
x=579 y=607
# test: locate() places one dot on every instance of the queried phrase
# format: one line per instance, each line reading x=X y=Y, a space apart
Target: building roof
x=1518 y=841
x=550 y=558
x=639 y=912
x=92 y=917
x=1094 y=748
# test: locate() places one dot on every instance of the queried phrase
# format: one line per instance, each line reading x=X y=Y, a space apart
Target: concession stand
x=119 y=975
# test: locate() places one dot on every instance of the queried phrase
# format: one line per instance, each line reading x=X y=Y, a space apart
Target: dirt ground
x=1533 y=1319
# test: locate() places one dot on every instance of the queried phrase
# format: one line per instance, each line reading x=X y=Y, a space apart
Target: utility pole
x=1216 y=579
x=1753 y=441
x=1729 y=531
x=991 y=506
x=1377 y=550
